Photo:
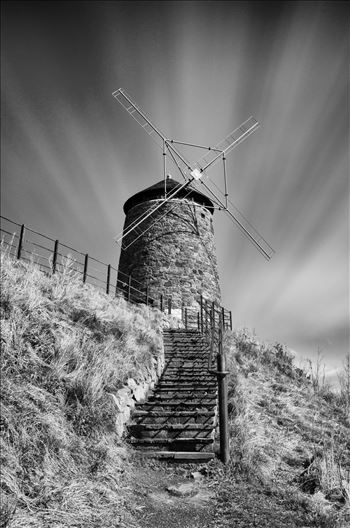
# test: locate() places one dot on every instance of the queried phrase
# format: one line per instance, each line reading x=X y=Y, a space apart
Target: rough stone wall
x=176 y=255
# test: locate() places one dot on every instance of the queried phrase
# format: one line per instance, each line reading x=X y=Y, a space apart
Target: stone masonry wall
x=176 y=255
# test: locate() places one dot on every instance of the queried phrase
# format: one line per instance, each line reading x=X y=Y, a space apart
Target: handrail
x=212 y=322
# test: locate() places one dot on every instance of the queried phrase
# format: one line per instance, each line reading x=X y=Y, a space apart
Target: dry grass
x=65 y=347
x=286 y=433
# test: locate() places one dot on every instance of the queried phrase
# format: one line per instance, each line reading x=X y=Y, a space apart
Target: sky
x=71 y=155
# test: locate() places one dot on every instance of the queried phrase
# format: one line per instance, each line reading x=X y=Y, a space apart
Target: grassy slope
x=66 y=347
x=286 y=434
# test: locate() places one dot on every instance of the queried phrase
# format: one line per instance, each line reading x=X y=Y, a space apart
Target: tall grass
x=65 y=348
x=286 y=432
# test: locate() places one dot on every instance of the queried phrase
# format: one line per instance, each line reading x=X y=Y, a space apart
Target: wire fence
x=53 y=256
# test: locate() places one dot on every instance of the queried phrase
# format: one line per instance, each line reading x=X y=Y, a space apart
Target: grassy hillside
x=289 y=433
x=66 y=348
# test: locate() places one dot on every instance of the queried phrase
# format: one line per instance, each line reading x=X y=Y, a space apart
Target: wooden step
x=140 y=412
x=174 y=427
x=195 y=456
x=180 y=390
x=183 y=385
x=175 y=396
x=177 y=443
x=191 y=406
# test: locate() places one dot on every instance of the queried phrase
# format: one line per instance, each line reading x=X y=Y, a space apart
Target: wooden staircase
x=179 y=417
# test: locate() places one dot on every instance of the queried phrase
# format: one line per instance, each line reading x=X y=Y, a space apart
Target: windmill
x=196 y=173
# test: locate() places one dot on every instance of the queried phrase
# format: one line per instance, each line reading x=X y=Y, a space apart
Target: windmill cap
x=156 y=191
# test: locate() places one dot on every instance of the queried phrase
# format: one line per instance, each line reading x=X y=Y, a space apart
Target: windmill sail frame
x=194 y=173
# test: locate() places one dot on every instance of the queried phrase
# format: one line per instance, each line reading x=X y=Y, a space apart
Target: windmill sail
x=152 y=130
x=193 y=173
x=226 y=145
x=238 y=218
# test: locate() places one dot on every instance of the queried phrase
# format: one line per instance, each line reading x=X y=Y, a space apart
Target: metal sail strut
x=243 y=224
x=142 y=218
x=226 y=145
x=152 y=130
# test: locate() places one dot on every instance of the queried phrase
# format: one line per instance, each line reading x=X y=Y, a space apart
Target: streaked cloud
x=72 y=156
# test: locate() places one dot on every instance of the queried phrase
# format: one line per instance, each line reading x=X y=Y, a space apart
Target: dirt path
x=167 y=496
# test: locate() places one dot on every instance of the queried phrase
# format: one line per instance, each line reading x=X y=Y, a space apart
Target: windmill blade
x=225 y=146
x=238 y=218
x=152 y=130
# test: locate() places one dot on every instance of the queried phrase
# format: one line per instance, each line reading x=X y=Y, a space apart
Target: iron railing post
x=108 y=278
x=223 y=402
x=169 y=305
x=86 y=260
x=20 y=242
x=54 y=259
x=201 y=314
x=161 y=302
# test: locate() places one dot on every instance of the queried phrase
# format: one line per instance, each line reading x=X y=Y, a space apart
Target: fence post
x=198 y=322
x=201 y=314
x=206 y=315
x=54 y=260
x=223 y=317
x=20 y=241
x=129 y=287
x=108 y=278
x=86 y=260
x=186 y=318
x=161 y=302
x=230 y=320
x=223 y=403
x=169 y=305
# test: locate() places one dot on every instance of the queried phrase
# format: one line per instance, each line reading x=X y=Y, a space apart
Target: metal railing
x=53 y=256
x=212 y=320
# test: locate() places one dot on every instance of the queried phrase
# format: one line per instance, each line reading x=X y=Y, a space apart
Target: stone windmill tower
x=168 y=237
x=173 y=252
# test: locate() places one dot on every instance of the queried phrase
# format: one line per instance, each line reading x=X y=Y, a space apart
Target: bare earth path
x=167 y=496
